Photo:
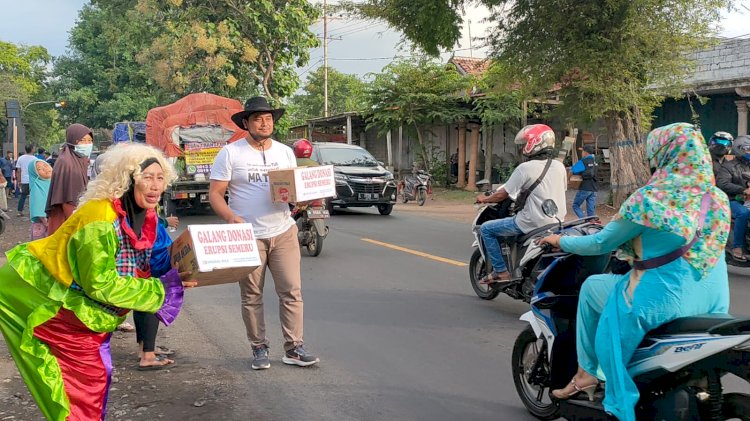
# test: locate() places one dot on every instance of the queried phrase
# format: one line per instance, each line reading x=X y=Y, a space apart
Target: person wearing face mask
x=734 y=179
x=70 y=177
x=719 y=145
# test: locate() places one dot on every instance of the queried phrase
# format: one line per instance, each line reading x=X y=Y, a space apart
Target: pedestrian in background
x=6 y=167
x=3 y=197
x=40 y=173
x=70 y=177
x=586 y=168
x=22 y=175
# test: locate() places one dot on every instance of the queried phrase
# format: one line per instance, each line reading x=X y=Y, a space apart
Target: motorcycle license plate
x=368 y=196
x=204 y=197
x=318 y=213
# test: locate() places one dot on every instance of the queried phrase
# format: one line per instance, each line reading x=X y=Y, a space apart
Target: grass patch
x=454 y=195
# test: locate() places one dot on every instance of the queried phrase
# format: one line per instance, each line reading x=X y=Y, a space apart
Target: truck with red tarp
x=191 y=131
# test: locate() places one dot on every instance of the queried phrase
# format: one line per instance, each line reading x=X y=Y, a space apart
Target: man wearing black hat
x=242 y=168
x=586 y=167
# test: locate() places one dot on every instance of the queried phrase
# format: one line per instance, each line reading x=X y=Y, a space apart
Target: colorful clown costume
x=61 y=296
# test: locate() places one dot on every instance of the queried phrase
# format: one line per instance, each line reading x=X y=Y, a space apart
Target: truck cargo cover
x=194 y=110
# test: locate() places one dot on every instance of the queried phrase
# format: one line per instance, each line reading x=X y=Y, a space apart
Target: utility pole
x=471 y=48
x=325 y=60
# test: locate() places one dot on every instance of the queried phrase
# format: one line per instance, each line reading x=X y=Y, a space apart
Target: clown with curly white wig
x=63 y=295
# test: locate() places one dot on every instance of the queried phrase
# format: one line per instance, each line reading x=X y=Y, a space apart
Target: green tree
x=417 y=93
x=128 y=56
x=229 y=47
x=603 y=57
x=23 y=74
x=100 y=78
x=345 y=93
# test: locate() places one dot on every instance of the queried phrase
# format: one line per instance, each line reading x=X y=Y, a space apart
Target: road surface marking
x=416 y=253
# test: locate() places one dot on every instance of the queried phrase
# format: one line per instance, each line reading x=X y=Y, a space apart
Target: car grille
x=366 y=187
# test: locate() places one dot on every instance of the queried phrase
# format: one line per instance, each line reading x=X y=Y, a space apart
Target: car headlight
x=340 y=177
x=388 y=176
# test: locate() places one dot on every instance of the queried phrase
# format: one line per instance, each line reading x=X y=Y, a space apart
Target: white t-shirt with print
x=246 y=169
x=23 y=163
x=552 y=186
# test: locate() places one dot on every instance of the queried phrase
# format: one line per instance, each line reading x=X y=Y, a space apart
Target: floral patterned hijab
x=672 y=198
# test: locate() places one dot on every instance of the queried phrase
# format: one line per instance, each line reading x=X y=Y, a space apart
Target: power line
x=311 y=66
x=354 y=31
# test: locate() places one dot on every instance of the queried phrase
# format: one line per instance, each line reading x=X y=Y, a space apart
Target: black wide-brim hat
x=256 y=104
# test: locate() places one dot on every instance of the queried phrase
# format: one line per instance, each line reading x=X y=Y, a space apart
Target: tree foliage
x=231 y=47
x=603 y=58
x=22 y=70
x=23 y=74
x=431 y=24
x=417 y=93
x=128 y=56
x=100 y=77
x=345 y=93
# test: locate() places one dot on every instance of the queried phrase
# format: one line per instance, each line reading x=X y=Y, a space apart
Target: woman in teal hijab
x=616 y=311
x=40 y=174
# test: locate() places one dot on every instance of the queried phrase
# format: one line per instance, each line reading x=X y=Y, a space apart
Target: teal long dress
x=610 y=328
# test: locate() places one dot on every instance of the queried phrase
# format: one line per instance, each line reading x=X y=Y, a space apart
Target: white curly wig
x=121 y=164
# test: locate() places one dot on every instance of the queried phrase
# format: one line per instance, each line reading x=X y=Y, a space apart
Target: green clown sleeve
x=91 y=253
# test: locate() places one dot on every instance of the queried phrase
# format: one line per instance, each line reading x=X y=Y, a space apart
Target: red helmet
x=302 y=148
x=536 y=138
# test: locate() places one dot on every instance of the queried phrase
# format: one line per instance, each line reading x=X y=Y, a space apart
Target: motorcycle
x=678 y=367
x=311 y=225
x=415 y=187
x=518 y=253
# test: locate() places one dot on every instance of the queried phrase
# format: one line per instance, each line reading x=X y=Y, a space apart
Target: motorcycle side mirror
x=549 y=207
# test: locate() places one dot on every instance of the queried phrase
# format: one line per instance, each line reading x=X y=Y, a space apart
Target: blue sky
x=364 y=47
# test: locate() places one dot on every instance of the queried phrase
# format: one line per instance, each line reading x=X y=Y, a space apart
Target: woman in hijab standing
x=70 y=177
x=680 y=218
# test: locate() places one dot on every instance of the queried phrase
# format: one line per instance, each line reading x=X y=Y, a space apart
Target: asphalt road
x=400 y=333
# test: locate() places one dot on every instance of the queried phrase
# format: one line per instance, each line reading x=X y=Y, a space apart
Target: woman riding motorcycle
x=674 y=231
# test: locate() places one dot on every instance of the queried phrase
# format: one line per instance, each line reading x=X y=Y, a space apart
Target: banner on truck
x=200 y=156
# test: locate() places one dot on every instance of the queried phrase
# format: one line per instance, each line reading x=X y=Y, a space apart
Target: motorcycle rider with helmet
x=538 y=142
x=303 y=151
x=719 y=145
x=733 y=179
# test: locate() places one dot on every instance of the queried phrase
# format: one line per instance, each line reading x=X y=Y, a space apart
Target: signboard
x=12 y=109
x=216 y=253
x=302 y=184
x=200 y=156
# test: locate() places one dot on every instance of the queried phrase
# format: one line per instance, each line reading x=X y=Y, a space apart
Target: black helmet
x=720 y=143
x=741 y=147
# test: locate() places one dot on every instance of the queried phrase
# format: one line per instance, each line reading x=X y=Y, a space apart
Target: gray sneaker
x=298 y=356
x=260 y=358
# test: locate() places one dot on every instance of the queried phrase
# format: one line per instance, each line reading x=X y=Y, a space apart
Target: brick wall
x=728 y=60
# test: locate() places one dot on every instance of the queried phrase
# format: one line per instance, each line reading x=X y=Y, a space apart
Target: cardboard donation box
x=216 y=253
x=302 y=184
